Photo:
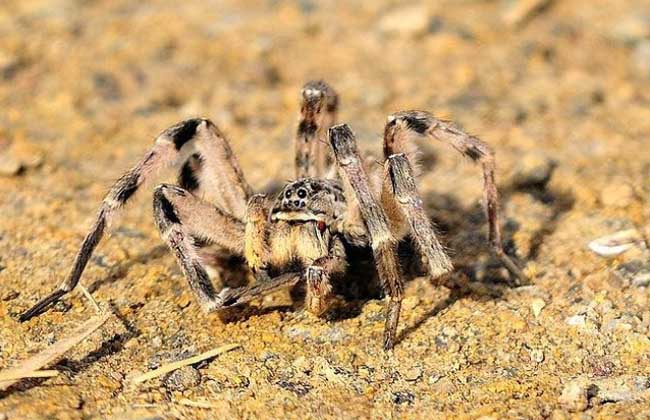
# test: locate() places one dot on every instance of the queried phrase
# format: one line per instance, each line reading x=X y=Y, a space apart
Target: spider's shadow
x=463 y=231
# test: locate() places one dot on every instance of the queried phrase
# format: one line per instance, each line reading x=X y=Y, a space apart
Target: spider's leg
x=317 y=114
x=182 y=217
x=384 y=244
x=229 y=298
x=403 y=126
x=402 y=201
x=198 y=139
x=319 y=274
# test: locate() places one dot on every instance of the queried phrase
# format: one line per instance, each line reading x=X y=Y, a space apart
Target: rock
x=412 y=373
x=636 y=272
x=182 y=379
x=579 y=393
x=533 y=170
x=575 y=395
x=622 y=388
x=405 y=21
x=576 y=320
x=617 y=194
x=403 y=397
x=632 y=28
x=536 y=306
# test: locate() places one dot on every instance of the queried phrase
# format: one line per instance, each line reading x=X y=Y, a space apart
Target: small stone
x=403 y=397
x=536 y=355
x=621 y=388
x=636 y=272
x=412 y=374
x=575 y=395
x=632 y=28
x=536 y=306
x=405 y=21
x=576 y=320
x=9 y=165
x=182 y=379
x=533 y=170
x=617 y=194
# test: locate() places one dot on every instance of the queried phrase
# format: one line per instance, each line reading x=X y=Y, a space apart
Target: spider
x=337 y=202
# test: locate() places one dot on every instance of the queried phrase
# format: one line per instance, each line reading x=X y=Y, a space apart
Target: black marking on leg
x=183 y=132
x=127 y=185
x=419 y=125
x=164 y=207
x=307 y=128
x=473 y=153
x=41 y=306
x=188 y=178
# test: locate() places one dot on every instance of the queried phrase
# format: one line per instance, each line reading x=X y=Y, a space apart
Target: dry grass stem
x=31 y=366
x=179 y=364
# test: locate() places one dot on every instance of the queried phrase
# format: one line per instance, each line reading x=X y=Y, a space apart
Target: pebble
x=182 y=379
x=636 y=272
x=536 y=306
x=412 y=374
x=405 y=21
x=578 y=393
x=632 y=28
x=618 y=194
x=403 y=397
x=576 y=320
x=575 y=395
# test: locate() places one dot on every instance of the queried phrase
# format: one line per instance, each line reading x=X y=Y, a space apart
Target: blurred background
x=560 y=89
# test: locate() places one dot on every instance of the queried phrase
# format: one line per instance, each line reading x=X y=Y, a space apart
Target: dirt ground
x=562 y=95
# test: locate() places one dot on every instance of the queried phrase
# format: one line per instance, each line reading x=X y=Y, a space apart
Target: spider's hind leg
x=399 y=132
x=207 y=164
x=317 y=114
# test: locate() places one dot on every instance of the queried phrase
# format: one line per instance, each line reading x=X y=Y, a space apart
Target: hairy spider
x=337 y=202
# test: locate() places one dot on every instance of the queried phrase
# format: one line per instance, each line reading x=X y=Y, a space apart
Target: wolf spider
x=338 y=201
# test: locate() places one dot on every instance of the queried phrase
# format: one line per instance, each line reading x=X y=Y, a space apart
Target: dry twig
x=181 y=363
x=31 y=367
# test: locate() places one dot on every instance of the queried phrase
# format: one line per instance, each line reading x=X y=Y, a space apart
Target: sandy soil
x=564 y=98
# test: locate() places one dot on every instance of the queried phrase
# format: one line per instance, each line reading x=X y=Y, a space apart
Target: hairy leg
x=317 y=114
x=383 y=243
x=189 y=143
x=402 y=127
x=400 y=193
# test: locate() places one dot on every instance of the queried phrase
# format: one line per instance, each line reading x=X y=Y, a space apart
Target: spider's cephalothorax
x=302 y=235
x=307 y=199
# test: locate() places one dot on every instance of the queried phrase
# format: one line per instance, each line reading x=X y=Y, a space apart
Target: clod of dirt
x=579 y=393
x=182 y=379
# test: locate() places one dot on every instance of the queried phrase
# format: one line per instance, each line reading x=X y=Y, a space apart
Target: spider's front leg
x=207 y=165
x=384 y=244
x=402 y=127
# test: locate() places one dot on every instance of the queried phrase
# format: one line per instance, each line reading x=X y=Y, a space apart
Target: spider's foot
x=41 y=306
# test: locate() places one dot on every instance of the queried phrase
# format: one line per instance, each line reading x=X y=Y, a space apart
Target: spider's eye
x=302 y=193
x=287 y=194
